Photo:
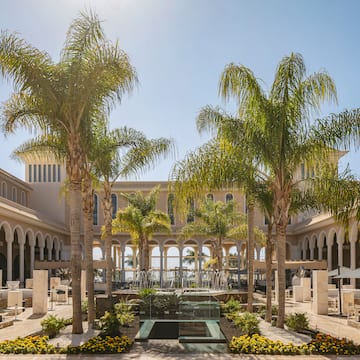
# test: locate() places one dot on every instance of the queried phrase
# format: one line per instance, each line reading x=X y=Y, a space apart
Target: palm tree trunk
x=88 y=240
x=218 y=251
x=146 y=255
x=268 y=259
x=251 y=240
x=280 y=250
x=108 y=235
x=75 y=214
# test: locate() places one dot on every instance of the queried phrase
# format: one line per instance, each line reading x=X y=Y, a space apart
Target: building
x=34 y=230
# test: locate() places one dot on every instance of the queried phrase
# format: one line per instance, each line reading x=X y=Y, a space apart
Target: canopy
x=344 y=272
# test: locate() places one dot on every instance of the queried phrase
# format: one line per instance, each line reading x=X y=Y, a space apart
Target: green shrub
x=231 y=306
x=143 y=293
x=297 y=321
x=84 y=307
x=248 y=323
x=52 y=325
x=120 y=315
x=262 y=310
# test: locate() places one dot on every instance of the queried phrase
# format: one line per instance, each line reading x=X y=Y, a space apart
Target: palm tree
x=64 y=99
x=219 y=221
x=267 y=142
x=121 y=153
x=141 y=220
x=276 y=127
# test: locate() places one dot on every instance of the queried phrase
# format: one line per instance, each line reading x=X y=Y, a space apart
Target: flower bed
x=40 y=345
x=322 y=344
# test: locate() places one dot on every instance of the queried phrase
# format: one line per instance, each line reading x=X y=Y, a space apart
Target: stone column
x=238 y=247
x=181 y=248
x=320 y=244
x=161 y=249
x=329 y=253
x=32 y=259
x=276 y=287
x=41 y=250
x=9 y=257
x=21 y=263
x=353 y=239
x=311 y=246
x=200 y=264
x=340 y=242
x=320 y=292
x=123 y=262
x=40 y=292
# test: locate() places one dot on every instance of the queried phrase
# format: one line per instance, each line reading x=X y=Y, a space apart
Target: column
x=340 y=241
x=312 y=245
x=329 y=252
x=9 y=257
x=320 y=244
x=181 y=265
x=161 y=249
x=32 y=259
x=123 y=262
x=353 y=239
x=238 y=247
x=200 y=264
x=41 y=249
x=21 y=263
x=49 y=254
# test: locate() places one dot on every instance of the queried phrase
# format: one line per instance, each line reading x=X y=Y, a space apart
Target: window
x=23 y=198
x=191 y=206
x=13 y=195
x=4 y=189
x=30 y=173
x=44 y=173
x=39 y=171
x=49 y=173
x=35 y=173
x=210 y=197
x=59 y=174
x=171 y=208
x=95 y=211
x=114 y=205
x=267 y=222
x=229 y=197
x=54 y=173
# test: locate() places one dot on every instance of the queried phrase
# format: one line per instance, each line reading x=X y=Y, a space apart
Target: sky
x=180 y=47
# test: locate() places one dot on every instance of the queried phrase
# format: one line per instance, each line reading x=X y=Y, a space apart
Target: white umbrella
x=341 y=272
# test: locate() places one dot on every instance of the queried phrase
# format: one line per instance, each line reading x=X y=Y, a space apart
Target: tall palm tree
x=120 y=153
x=219 y=221
x=64 y=99
x=141 y=220
x=269 y=139
x=276 y=126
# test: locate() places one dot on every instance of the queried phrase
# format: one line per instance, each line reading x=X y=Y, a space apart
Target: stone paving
x=27 y=324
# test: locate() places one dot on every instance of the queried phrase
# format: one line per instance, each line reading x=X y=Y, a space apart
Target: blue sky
x=180 y=47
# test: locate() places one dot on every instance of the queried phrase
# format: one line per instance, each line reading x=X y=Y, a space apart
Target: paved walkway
x=27 y=324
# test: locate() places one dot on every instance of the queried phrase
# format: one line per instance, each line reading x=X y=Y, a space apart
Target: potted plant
x=52 y=325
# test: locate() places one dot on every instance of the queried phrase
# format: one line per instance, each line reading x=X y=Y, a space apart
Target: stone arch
x=323 y=244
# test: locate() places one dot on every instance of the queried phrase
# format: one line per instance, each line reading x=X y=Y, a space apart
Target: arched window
x=229 y=197
x=23 y=198
x=35 y=172
x=191 y=207
x=30 y=173
x=114 y=205
x=95 y=211
x=49 y=173
x=4 y=189
x=13 y=194
x=171 y=208
x=210 y=197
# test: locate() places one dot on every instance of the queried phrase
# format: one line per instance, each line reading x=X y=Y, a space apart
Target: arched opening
x=335 y=253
